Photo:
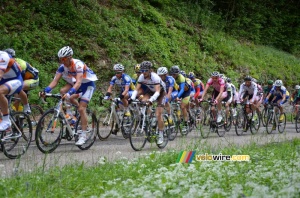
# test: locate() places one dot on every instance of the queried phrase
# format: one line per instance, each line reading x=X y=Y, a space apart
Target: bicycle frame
x=113 y=113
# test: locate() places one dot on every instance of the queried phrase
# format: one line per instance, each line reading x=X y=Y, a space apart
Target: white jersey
x=77 y=66
x=251 y=90
x=150 y=83
x=9 y=66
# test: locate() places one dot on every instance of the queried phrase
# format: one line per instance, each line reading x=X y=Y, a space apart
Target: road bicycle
x=114 y=117
x=145 y=127
x=244 y=119
x=273 y=121
x=210 y=124
x=16 y=140
x=53 y=126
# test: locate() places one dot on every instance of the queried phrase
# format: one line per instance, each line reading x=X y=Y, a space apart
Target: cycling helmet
x=137 y=68
x=297 y=87
x=222 y=76
x=183 y=73
x=64 y=52
x=278 y=83
x=146 y=65
x=191 y=75
x=118 y=67
x=215 y=74
x=248 y=78
x=162 y=71
x=254 y=80
x=11 y=52
x=174 y=69
x=228 y=80
x=270 y=82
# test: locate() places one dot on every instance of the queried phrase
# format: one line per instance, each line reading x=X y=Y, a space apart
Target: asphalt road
x=116 y=147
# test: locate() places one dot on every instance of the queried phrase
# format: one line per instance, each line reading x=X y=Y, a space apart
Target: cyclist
x=295 y=100
x=281 y=96
x=267 y=89
x=11 y=82
x=184 y=92
x=229 y=97
x=80 y=79
x=171 y=87
x=219 y=92
x=156 y=92
x=137 y=73
x=234 y=96
x=199 y=87
x=30 y=77
x=249 y=89
x=124 y=82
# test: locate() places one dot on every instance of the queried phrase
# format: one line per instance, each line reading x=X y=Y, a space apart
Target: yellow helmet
x=137 y=68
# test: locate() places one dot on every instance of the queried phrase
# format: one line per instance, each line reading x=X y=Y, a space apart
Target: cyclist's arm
x=156 y=93
x=55 y=80
x=79 y=77
x=109 y=90
x=135 y=92
x=205 y=90
x=181 y=89
x=170 y=92
x=197 y=92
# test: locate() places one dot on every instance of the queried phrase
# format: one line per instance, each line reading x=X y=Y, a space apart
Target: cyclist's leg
x=8 y=88
x=158 y=112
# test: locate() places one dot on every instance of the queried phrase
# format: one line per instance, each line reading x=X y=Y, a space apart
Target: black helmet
x=11 y=52
x=248 y=78
x=146 y=65
x=174 y=69
x=228 y=80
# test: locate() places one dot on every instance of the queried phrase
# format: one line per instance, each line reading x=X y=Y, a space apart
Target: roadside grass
x=273 y=171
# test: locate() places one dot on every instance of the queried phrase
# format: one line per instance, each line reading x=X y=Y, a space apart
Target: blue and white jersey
x=170 y=82
x=10 y=68
x=279 y=93
x=122 y=82
x=77 y=66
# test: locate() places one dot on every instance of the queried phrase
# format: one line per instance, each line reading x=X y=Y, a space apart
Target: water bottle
x=153 y=122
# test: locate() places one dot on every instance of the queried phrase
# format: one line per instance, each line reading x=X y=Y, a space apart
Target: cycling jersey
x=134 y=78
x=216 y=85
x=77 y=66
x=248 y=90
x=150 y=83
x=279 y=93
x=170 y=82
x=125 y=80
x=28 y=72
x=12 y=73
x=184 y=86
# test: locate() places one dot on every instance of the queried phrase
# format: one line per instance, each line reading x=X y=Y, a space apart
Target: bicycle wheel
x=174 y=128
x=36 y=114
x=297 y=123
x=264 y=117
x=105 y=125
x=282 y=124
x=21 y=124
x=205 y=127
x=270 y=124
x=138 y=137
x=241 y=123
x=228 y=121
x=92 y=128
x=49 y=131
x=127 y=123
x=166 y=132
x=255 y=124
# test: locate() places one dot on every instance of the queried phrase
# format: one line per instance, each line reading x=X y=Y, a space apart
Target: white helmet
x=64 y=52
x=162 y=71
x=118 y=67
x=278 y=83
x=297 y=87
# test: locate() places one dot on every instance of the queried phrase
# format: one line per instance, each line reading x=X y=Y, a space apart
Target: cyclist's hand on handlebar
x=216 y=101
x=67 y=96
x=106 y=97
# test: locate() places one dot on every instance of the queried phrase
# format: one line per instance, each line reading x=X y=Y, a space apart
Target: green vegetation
x=273 y=170
x=190 y=34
